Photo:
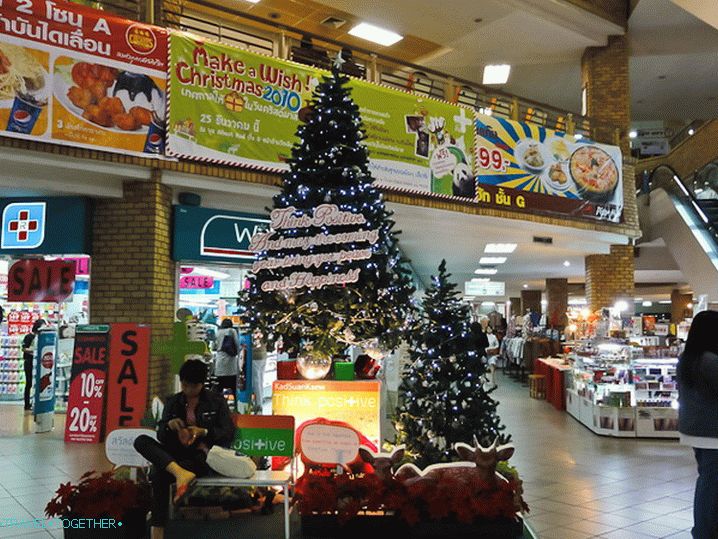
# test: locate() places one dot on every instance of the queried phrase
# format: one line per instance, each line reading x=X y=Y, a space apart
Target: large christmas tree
x=442 y=398
x=329 y=273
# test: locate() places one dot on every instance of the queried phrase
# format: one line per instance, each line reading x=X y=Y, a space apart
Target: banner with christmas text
x=232 y=106
x=82 y=77
x=526 y=167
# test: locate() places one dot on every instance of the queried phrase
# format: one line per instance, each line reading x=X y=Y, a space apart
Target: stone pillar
x=530 y=299
x=133 y=276
x=557 y=296
x=604 y=79
x=515 y=306
x=610 y=278
x=680 y=309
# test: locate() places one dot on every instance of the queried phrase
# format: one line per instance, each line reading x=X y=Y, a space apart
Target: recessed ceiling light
x=492 y=260
x=525 y=285
x=375 y=34
x=480 y=279
x=566 y=263
x=638 y=300
x=647 y=304
x=632 y=134
x=486 y=271
x=487 y=303
x=496 y=74
x=495 y=248
x=691 y=131
x=252 y=1
x=665 y=302
x=578 y=136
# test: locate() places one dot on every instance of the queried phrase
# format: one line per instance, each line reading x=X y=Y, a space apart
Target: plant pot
x=360 y=526
x=479 y=529
x=134 y=526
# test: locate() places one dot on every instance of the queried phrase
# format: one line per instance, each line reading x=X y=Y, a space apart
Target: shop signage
x=356 y=403
x=40 y=225
x=232 y=106
x=526 y=167
x=260 y=435
x=244 y=374
x=323 y=215
x=214 y=235
x=20 y=322
x=82 y=265
x=86 y=402
x=120 y=449
x=82 y=77
x=196 y=282
x=489 y=288
x=329 y=444
x=41 y=281
x=127 y=379
x=45 y=367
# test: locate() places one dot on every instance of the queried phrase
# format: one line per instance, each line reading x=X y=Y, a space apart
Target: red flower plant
x=98 y=496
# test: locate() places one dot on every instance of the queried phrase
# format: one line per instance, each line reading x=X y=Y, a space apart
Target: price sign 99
x=492 y=159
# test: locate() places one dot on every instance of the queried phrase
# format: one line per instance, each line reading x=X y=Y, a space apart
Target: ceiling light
x=375 y=34
x=492 y=260
x=647 y=304
x=252 y=1
x=500 y=248
x=665 y=302
x=480 y=279
x=566 y=263
x=632 y=134
x=691 y=131
x=620 y=306
x=486 y=271
x=689 y=306
x=578 y=136
x=525 y=285
x=496 y=74
x=487 y=303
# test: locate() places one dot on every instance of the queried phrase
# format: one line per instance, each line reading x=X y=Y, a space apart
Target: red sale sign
x=20 y=322
x=127 y=381
x=41 y=281
x=87 y=385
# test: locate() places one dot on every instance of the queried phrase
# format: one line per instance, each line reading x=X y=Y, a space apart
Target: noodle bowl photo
x=595 y=173
x=20 y=72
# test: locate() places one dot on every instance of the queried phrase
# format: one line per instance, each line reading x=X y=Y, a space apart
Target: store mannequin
x=492 y=351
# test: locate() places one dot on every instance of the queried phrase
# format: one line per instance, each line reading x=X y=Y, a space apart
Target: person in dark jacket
x=193 y=421
x=29 y=345
x=698 y=417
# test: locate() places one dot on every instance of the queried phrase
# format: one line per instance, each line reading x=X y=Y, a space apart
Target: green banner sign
x=258 y=442
x=232 y=106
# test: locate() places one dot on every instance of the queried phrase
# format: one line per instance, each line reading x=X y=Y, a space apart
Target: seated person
x=192 y=422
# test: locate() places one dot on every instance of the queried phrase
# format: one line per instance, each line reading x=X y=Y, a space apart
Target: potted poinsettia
x=101 y=496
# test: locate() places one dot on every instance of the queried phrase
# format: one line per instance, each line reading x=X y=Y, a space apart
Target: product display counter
x=615 y=391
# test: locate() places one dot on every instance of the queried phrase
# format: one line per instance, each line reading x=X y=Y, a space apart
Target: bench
x=262 y=436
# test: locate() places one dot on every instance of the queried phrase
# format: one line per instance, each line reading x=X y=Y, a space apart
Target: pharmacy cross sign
x=23 y=225
x=178 y=347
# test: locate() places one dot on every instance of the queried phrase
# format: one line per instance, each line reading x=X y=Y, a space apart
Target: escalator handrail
x=685 y=194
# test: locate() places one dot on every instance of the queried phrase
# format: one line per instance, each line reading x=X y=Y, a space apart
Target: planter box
x=134 y=526
x=363 y=526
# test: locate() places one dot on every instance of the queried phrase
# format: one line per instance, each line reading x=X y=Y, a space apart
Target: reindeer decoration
x=382 y=462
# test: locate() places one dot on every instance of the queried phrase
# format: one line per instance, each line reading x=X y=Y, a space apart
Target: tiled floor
x=577 y=484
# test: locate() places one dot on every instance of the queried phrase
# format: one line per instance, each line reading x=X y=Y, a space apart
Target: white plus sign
x=260 y=444
x=351 y=401
x=462 y=121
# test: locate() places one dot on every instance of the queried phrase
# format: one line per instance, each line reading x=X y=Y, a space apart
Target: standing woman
x=29 y=346
x=225 y=359
x=698 y=417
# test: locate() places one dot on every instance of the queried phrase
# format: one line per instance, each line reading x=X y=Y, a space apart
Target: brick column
x=515 y=306
x=530 y=299
x=604 y=78
x=679 y=306
x=610 y=278
x=557 y=296
x=133 y=276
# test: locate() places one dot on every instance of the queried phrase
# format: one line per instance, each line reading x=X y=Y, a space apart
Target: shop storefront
x=42 y=229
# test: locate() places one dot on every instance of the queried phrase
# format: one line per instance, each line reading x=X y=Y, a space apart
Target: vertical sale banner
x=85 y=405
x=78 y=76
x=127 y=381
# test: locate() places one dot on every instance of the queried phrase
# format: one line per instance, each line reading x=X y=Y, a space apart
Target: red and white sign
x=196 y=282
x=20 y=322
x=41 y=281
x=87 y=385
x=127 y=381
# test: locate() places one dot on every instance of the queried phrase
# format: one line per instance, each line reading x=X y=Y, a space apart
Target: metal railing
x=257 y=34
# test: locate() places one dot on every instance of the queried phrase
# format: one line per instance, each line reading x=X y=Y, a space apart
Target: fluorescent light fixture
x=691 y=131
x=620 y=306
x=665 y=302
x=253 y=1
x=637 y=299
x=500 y=248
x=566 y=263
x=206 y=272
x=486 y=271
x=487 y=303
x=492 y=260
x=578 y=136
x=496 y=74
x=577 y=301
x=647 y=304
x=632 y=134
x=375 y=34
x=525 y=285
x=481 y=279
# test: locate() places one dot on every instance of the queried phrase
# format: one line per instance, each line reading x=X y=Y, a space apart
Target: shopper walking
x=29 y=346
x=226 y=363
x=259 y=365
x=698 y=417
x=193 y=421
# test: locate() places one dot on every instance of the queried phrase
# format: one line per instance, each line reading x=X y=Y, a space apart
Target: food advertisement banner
x=235 y=107
x=527 y=167
x=78 y=76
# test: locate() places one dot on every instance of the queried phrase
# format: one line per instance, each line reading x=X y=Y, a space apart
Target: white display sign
x=489 y=288
x=120 y=450
x=329 y=444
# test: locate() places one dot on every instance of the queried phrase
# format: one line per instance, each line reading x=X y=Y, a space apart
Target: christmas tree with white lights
x=442 y=397
x=329 y=273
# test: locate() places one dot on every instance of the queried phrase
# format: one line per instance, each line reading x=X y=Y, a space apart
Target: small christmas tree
x=442 y=396
x=368 y=297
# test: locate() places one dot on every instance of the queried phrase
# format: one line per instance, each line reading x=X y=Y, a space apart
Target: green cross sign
x=179 y=346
